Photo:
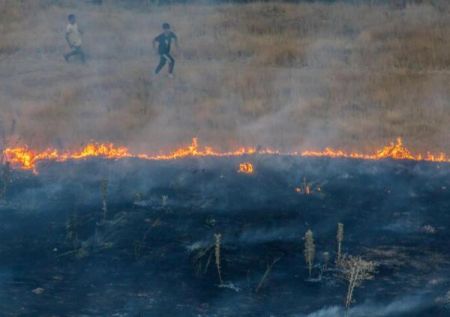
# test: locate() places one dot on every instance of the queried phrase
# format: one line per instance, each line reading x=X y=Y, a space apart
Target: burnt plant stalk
x=217 y=251
x=339 y=238
x=104 y=191
x=310 y=250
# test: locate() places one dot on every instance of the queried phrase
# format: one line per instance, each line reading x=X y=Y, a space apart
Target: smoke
x=398 y=307
x=286 y=76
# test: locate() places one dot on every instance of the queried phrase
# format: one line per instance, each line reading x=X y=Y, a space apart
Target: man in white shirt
x=73 y=38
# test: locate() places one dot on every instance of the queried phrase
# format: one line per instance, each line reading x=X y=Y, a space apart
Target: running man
x=73 y=38
x=163 y=43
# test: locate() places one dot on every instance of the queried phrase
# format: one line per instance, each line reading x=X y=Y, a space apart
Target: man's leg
x=70 y=54
x=171 y=63
x=162 y=62
x=82 y=55
x=75 y=51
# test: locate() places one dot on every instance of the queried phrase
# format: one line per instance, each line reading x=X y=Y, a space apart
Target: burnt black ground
x=145 y=258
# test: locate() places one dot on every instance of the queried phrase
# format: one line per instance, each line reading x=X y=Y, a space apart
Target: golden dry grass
x=290 y=76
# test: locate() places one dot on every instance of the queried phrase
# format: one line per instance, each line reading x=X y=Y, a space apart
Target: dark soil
x=152 y=252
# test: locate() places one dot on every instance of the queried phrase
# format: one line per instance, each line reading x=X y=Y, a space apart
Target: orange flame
x=306 y=188
x=194 y=150
x=303 y=190
x=246 y=168
x=396 y=151
x=102 y=150
x=25 y=158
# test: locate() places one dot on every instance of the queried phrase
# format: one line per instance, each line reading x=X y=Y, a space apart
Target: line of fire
x=26 y=158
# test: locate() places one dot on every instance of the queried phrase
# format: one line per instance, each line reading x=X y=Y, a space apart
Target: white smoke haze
x=288 y=76
x=404 y=305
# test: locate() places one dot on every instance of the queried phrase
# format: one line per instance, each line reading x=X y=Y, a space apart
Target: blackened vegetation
x=155 y=251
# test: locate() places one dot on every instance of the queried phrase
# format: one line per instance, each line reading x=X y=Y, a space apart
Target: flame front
x=102 y=150
x=396 y=151
x=26 y=158
x=194 y=150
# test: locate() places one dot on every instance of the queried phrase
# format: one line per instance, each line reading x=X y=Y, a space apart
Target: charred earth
x=149 y=238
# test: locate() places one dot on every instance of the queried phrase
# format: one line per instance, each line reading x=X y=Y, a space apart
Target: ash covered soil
x=151 y=251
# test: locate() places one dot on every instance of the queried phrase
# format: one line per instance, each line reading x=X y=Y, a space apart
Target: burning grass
x=395 y=151
x=28 y=159
x=246 y=168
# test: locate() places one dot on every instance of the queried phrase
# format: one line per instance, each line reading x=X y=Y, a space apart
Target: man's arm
x=155 y=43
x=66 y=36
x=175 y=40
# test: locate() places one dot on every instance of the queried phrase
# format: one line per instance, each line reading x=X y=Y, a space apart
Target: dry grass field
x=290 y=76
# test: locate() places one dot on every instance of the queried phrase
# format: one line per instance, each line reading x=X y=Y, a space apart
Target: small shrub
x=355 y=271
